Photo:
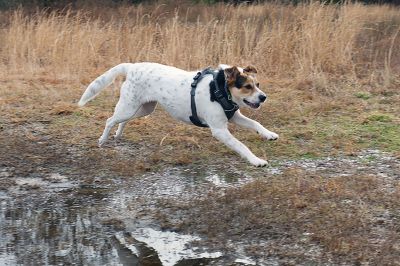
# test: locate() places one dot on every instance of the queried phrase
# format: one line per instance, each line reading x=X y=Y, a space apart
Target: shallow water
x=61 y=222
x=52 y=228
x=60 y=219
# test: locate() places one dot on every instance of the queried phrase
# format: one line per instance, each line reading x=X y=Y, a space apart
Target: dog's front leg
x=246 y=122
x=223 y=135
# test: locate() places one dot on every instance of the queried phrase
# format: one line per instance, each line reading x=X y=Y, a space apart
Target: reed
x=312 y=42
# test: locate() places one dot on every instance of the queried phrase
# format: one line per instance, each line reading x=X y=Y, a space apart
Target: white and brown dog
x=147 y=84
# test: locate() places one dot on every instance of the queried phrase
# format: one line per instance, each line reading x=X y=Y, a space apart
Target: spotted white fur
x=147 y=84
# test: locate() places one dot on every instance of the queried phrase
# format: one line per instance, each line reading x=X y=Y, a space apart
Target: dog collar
x=222 y=96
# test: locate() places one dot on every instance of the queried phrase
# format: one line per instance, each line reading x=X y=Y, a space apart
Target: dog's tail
x=102 y=81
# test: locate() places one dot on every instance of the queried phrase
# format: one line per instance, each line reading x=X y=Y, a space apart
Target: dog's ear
x=231 y=74
x=250 y=69
x=223 y=66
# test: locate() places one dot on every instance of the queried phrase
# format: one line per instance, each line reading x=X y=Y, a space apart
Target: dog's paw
x=117 y=137
x=258 y=162
x=270 y=135
x=101 y=142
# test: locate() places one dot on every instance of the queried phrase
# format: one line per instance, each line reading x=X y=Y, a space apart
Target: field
x=330 y=194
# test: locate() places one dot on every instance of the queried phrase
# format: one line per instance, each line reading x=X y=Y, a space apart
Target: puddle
x=52 y=230
x=370 y=162
x=55 y=219
x=165 y=248
x=245 y=261
x=50 y=220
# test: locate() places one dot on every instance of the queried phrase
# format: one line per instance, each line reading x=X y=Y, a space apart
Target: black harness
x=218 y=92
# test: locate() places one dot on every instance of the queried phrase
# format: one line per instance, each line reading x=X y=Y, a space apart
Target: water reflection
x=153 y=247
x=40 y=227
x=53 y=221
x=52 y=230
x=133 y=252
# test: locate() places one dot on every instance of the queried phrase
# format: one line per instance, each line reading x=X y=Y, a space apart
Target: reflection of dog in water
x=206 y=104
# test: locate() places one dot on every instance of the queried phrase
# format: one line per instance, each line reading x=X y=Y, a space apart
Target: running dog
x=147 y=84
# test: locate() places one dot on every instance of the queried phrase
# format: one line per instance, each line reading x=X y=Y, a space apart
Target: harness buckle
x=197 y=76
x=218 y=93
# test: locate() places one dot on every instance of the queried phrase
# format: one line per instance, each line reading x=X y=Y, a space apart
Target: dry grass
x=311 y=43
x=304 y=218
x=321 y=66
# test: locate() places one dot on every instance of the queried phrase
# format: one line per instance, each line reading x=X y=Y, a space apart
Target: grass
x=313 y=44
x=298 y=211
x=384 y=118
x=363 y=95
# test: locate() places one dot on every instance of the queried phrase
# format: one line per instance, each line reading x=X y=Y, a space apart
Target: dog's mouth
x=252 y=105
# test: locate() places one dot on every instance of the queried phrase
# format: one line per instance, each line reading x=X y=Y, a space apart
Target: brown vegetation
x=311 y=43
x=314 y=60
x=352 y=218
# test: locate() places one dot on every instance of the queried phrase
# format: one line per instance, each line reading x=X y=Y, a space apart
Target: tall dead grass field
x=331 y=71
x=307 y=42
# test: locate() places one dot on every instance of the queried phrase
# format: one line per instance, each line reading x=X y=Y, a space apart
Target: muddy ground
x=73 y=203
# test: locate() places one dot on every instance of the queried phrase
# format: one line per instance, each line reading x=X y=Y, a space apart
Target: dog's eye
x=258 y=85
x=249 y=87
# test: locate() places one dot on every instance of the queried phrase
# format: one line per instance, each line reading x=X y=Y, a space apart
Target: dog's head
x=243 y=86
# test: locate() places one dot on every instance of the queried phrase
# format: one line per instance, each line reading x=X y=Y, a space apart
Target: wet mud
x=63 y=204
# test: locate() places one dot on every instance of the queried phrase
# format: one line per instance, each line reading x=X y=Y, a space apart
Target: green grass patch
x=379 y=118
x=333 y=136
x=363 y=95
x=380 y=135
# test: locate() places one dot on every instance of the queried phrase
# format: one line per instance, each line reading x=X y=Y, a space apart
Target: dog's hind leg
x=144 y=110
x=122 y=113
x=120 y=129
x=125 y=109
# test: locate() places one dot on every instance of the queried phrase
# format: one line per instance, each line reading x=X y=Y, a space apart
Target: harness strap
x=222 y=96
x=194 y=118
x=218 y=94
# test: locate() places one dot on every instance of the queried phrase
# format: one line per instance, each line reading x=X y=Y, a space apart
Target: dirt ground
x=325 y=198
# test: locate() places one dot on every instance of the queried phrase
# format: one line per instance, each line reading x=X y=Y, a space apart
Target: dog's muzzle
x=262 y=98
x=252 y=105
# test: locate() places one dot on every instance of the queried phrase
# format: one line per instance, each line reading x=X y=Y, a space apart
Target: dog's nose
x=262 y=98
